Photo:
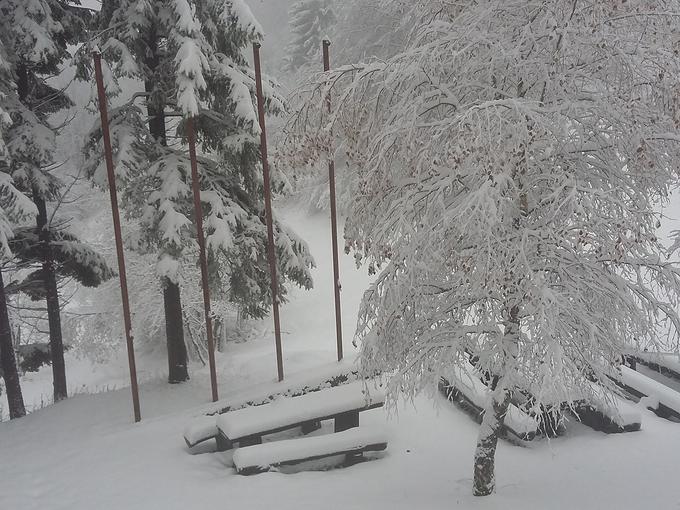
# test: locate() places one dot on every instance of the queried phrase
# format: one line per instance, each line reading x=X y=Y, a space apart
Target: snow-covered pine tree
x=35 y=36
x=14 y=208
x=509 y=164
x=310 y=22
x=190 y=58
x=376 y=29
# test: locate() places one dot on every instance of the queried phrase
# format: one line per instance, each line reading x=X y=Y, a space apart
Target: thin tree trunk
x=52 y=298
x=484 y=479
x=174 y=330
x=8 y=361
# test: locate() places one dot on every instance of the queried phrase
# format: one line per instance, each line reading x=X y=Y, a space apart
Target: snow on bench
x=203 y=428
x=668 y=399
x=343 y=403
x=265 y=457
x=664 y=363
x=613 y=415
x=517 y=422
x=200 y=429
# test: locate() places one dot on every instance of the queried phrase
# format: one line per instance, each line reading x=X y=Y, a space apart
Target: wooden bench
x=202 y=428
x=667 y=400
x=463 y=387
x=663 y=363
x=342 y=403
x=612 y=415
x=351 y=443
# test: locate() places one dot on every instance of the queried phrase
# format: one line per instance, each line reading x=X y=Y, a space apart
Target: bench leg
x=353 y=458
x=310 y=426
x=250 y=441
x=223 y=444
x=346 y=421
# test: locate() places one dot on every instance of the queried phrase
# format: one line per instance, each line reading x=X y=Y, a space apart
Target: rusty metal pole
x=117 y=231
x=271 y=253
x=198 y=213
x=334 y=219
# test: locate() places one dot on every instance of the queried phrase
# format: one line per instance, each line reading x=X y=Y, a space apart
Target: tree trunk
x=484 y=479
x=174 y=331
x=8 y=362
x=174 y=325
x=52 y=298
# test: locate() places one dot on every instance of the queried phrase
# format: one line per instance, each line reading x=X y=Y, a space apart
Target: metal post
x=334 y=219
x=117 y=231
x=198 y=213
x=271 y=254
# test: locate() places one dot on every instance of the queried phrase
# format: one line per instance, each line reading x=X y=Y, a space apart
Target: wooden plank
x=455 y=395
x=193 y=438
x=200 y=430
x=667 y=398
x=654 y=364
x=351 y=453
x=346 y=421
x=597 y=420
x=226 y=440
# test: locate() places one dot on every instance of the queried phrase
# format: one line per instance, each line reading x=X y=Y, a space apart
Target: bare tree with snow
x=508 y=167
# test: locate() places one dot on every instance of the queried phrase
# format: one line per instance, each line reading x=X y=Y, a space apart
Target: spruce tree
x=310 y=21
x=189 y=59
x=36 y=35
x=14 y=207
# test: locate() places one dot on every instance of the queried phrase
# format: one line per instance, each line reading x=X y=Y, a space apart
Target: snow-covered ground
x=85 y=453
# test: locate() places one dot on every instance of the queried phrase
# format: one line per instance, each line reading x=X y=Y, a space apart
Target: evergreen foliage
x=310 y=22
x=35 y=35
x=190 y=59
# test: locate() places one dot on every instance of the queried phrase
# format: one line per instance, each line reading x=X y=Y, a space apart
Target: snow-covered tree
x=191 y=58
x=509 y=163
x=310 y=23
x=376 y=29
x=14 y=208
x=35 y=36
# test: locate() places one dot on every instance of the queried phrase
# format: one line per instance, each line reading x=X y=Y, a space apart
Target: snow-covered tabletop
x=288 y=412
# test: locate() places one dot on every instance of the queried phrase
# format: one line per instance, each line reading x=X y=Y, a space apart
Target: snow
x=670 y=361
x=245 y=19
x=279 y=452
x=285 y=412
x=87 y=453
x=468 y=383
x=666 y=396
x=200 y=429
x=620 y=411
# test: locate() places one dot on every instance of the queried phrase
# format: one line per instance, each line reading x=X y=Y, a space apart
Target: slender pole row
x=117 y=231
x=334 y=219
x=271 y=248
x=198 y=213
